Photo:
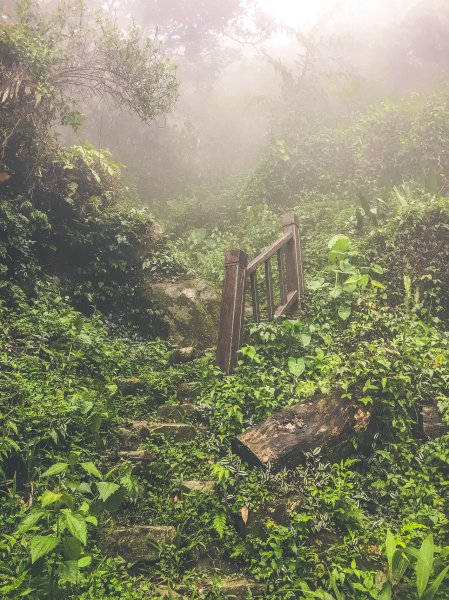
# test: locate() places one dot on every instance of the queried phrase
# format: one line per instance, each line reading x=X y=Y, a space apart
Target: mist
x=251 y=71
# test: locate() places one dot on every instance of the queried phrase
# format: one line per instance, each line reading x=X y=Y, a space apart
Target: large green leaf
x=339 y=243
x=56 y=469
x=72 y=548
x=49 y=497
x=106 y=489
x=90 y=468
x=41 y=545
x=31 y=520
x=435 y=585
x=296 y=366
x=424 y=564
x=68 y=571
x=344 y=312
x=77 y=526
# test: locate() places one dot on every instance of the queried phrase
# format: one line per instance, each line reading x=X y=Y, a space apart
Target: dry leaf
x=4 y=176
x=245 y=512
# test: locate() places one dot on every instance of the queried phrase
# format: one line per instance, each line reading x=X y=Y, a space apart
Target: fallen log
x=329 y=422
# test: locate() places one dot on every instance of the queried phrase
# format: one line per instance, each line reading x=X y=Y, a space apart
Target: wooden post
x=232 y=307
x=293 y=258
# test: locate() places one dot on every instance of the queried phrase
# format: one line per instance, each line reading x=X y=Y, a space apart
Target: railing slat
x=269 y=252
x=255 y=296
x=269 y=290
x=282 y=284
x=292 y=297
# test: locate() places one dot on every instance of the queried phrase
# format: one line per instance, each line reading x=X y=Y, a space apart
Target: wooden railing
x=237 y=275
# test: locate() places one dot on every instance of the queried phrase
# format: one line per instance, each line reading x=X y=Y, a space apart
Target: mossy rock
x=191 y=308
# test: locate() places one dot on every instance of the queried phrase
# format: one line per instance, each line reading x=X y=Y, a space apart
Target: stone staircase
x=175 y=423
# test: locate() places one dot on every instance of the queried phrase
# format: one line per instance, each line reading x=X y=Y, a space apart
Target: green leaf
x=41 y=545
x=106 y=489
x=77 y=526
x=385 y=593
x=424 y=564
x=90 y=468
x=72 y=548
x=31 y=520
x=296 y=366
x=56 y=469
x=339 y=243
x=390 y=547
x=68 y=571
x=49 y=497
x=219 y=523
x=84 y=561
x=344 y=312
x=305 y=339
x=435 y=585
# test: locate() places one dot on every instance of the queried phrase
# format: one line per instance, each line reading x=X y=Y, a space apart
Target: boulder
x=329 y=422
x=140 y=543
x=191 y=308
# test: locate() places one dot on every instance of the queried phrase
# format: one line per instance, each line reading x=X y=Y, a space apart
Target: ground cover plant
x=86 y=364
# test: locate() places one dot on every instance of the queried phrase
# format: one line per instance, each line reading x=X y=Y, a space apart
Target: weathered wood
x=282 y=285
x=269 y=290
x=283 y=309
x=255 y=296
x=232 y=305
x=293 y=261
x=328 y=422
x=269 y=252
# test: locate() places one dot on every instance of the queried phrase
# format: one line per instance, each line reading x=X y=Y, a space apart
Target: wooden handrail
x=268 y=252
x=237 y=271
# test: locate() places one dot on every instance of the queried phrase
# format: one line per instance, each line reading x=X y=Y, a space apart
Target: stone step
x=178 y=412
x=432 y=420
x=189 y=389
x=206 y=487
x=138 y=431
x=240 y=589
x=184 y=355
x=129 y=386
x=139 y=543
x=141 y=460
x=280 y=511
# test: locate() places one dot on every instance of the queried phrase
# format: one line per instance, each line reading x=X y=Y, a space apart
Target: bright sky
x=297 y=13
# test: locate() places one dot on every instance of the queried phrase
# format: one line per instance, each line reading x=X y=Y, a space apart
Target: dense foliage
x=76 y=320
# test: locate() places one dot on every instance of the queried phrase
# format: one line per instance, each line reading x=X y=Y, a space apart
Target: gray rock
x=433 y=424
x=140 y=459
x=191 y=309
x=138 y=431
x=178 y=412
x=129 y=386
x=184 y=355
x=176 y=432
x=206 y=487
x=280 y=512
x=241 y=589
x=141 y=543
x=189 y=389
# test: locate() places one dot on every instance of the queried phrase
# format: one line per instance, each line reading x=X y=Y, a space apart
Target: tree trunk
x=328 y=422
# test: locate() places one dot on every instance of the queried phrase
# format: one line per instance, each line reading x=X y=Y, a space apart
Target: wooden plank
x=293 y=264
x=255 y=296
x=232 y=307
x=269 y=290
x=269 y=252
x=292 y=297
x=282 y=285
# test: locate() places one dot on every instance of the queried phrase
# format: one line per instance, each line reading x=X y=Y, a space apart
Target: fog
x=254 y=72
